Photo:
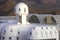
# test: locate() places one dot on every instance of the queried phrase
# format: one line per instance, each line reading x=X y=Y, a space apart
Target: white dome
x=21 y=8
x=16 y=32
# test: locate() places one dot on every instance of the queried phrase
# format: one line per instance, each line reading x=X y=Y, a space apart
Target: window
x=3 y=38
x=30 y=33
x=11 y=30
x=19 y=9
x=4 y=32
x=17 y=38
x=24 y=9
x=52 y=20
x=10 y=38
x=34 y=19
x=18 y=32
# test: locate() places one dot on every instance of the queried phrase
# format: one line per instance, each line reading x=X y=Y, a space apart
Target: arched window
x=34 y=19
x=24 y=9
x=50 y=20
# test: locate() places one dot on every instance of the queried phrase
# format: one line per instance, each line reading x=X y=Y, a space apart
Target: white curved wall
x=11 y=32
x=45 y=32
x=21 y=8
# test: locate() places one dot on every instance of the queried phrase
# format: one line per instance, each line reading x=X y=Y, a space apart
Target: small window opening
x=19 y=9
x=3 y=38
x=24 y=9
x=10 y=38
x=17 y=38
x=11 y=30
x=4 y=32
x=18 y=32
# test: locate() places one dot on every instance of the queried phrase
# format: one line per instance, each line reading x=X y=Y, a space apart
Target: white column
x=24 y=19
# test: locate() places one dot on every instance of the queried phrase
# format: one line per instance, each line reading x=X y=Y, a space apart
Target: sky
x=42 y=4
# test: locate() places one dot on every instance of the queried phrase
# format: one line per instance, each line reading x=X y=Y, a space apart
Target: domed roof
x=14 y=31
x=21 y=4
x=21 y=8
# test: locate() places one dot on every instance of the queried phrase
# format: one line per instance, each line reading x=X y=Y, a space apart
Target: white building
x=25 y=29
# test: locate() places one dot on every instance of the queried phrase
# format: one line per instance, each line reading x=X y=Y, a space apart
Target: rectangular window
x=17 y=38
x=3 y=38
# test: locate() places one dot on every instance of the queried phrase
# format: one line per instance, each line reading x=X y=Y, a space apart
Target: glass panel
x=52 y=20
x=34 y=19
